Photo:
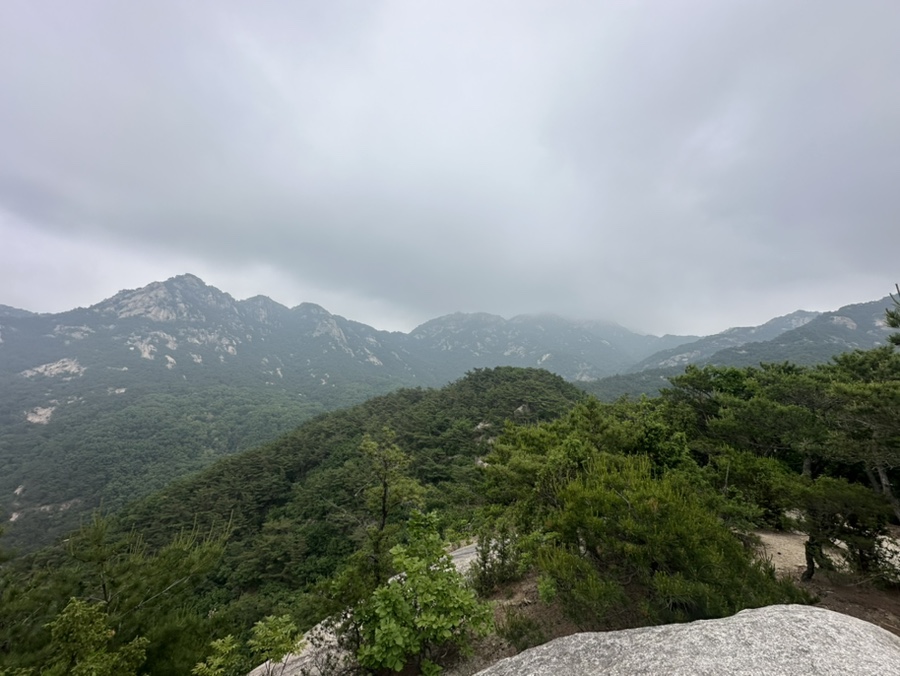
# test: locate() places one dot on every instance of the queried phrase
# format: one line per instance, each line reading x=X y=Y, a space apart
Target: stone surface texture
x=787 y=640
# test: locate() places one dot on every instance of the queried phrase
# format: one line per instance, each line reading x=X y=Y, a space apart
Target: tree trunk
x=876 y=486
x=814 y=555
x=807 y=466
x=810 y=561
x=888 y=491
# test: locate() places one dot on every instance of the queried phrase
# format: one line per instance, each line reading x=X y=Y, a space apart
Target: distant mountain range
x=801 y=337
x=185 y=326
x=705 y=348
x=156 y=382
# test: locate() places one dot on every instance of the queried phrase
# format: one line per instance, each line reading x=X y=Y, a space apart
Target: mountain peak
x=311 y=309
x=9 y=311
x=262 y=308
x=458 y=321
x=187 y=280
x=184 y=297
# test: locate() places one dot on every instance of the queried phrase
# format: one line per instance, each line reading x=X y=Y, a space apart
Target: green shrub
x=836 y=511
x=421 y=612
x=520 y=631
x=500 y=559
x=632 y=548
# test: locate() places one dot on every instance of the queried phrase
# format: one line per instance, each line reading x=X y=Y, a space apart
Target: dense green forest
x=630 y=513
x=302 y=495
x=109 y=450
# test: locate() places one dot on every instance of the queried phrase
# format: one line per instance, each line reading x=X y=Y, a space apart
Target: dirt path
x=836 y=591
x=785 y=551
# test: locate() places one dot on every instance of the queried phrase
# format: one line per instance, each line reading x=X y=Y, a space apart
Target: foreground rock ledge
x=776 y=640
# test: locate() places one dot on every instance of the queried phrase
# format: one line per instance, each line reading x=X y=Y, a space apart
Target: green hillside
x=629 y=514
x=291 y=509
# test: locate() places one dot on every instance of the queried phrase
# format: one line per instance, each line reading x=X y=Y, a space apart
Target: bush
x=499 y=559
x=421 y=612
x=633 y=549
x=754 y=486
x=520 y=631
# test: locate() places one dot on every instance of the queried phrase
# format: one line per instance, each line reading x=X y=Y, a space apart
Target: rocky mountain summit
x=772 y=641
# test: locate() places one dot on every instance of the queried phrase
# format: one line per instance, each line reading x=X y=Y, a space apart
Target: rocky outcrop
x=772 y=641
x=319 y=655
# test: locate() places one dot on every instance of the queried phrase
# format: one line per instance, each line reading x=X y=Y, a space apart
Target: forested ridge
x=630 y=513
x=291 y=509
x=107 y=451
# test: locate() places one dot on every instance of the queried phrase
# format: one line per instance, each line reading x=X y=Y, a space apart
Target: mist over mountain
x=196 y=331
x=704 y=348
x=801 y=337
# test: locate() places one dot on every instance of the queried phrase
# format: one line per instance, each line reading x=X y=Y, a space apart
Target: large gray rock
x=775 y=640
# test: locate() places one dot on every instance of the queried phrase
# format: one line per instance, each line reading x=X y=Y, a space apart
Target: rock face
x=772 y=641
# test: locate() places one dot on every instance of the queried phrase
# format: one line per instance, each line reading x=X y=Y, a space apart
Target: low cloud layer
x=676 y=167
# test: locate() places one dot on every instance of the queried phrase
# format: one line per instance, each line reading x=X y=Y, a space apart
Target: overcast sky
x=675 y=166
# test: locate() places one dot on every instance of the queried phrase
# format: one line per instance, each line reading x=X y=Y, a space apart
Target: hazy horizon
x=673 y=167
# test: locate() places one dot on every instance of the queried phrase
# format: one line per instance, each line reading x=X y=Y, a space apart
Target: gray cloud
x=672 y=166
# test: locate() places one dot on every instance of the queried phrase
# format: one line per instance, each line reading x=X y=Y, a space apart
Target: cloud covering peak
x=676 y=167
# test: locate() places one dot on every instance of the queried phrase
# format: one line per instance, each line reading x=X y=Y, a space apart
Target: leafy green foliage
x=631 y=528
x=500 y=558
x=107 y=449
x=647 y=549
x=758 y=491
x=298 y=513
x=272 y=639
x=804 y=418
x=225 y=659
x=892 y=316
x=546 y=587
x=391 y=490
x=80 y=639
x=141 y=592
x=865 y=387
x=421 y=612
